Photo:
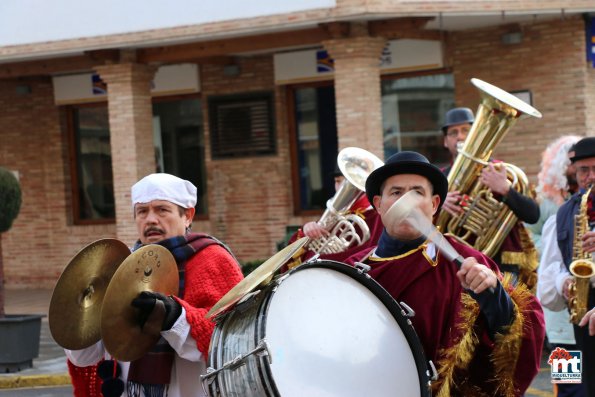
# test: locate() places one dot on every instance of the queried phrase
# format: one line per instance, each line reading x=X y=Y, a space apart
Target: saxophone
x=582 y=266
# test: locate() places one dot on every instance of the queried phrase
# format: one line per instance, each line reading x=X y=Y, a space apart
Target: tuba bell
x=355 y=165
x=485 y=221
x=582 y=266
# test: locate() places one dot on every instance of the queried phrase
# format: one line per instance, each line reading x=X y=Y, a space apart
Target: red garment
x=434 y=292
x=210 y=274
x=85 y=381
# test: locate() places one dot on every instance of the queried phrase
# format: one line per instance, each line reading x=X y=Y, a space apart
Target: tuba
x=355 y=165
x=582 y=266
x=485 y=222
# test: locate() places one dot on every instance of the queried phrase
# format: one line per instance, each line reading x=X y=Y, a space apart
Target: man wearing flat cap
x=469 y=321
x=558 y=239
x=517 y=254
x=163 y=208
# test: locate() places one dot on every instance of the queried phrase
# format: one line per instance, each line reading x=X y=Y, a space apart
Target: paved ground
x=49 y=369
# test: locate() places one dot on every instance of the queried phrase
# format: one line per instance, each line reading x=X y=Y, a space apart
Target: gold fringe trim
x=460 y=354
x=507 y=346
x=528 y=259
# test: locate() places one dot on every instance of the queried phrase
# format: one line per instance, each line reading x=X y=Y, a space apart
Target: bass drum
x=323 y=329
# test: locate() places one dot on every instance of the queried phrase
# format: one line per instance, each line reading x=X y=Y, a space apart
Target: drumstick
x=405 y=208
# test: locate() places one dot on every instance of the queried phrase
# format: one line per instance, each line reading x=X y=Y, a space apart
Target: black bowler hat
x=407 y=163
x=584 y=148
x=457 y=116
x=336 y=172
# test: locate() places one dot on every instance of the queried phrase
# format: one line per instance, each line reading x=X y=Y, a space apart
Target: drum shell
x=241 y=329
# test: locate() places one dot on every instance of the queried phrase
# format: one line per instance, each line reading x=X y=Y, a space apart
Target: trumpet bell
x=80 y=291
x=356 y=164
x=150 y=268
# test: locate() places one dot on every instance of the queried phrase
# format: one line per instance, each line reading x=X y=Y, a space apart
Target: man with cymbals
x=483 y=335
x=163 y=209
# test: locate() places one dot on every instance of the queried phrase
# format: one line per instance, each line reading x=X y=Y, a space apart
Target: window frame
x=179 y=97
x=74 y=161
x=293 y=148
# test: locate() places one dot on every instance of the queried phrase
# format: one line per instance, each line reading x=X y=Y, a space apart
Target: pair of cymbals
x=92 y=298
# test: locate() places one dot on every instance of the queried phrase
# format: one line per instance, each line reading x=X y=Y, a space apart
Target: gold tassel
x=460 y=354
x=507 y=345
x=527 y=259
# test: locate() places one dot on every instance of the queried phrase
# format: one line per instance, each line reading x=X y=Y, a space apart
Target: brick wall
x=550 y=62
x=43 y=238
x=249 y=198
x=357 y=90
x=131 y=135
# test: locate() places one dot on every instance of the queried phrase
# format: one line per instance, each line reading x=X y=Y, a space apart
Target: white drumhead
x=331 y=336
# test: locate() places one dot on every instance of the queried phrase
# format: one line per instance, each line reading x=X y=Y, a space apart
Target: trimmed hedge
x=10 y=199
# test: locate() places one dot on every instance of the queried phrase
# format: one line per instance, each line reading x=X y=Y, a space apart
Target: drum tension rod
x=262 y=349
x=408 y=312
x=362 y=267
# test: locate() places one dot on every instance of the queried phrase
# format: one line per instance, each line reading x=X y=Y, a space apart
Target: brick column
x=357 y=91
x=131 y=135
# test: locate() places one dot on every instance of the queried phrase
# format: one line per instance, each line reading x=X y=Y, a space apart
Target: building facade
x=253 y=104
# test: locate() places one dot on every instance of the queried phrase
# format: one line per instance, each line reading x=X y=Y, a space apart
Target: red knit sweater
x=210 y=274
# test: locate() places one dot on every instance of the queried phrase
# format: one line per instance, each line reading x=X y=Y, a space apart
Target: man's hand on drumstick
x=476 y=277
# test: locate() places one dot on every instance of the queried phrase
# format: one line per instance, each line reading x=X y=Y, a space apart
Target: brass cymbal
x=75 y=306
x=261 y=275
x=150 y=268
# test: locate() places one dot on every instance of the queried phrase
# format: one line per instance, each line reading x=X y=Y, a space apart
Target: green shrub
x=10 y=199
x=248 y=267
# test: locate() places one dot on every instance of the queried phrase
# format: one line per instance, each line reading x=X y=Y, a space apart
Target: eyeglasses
x=585 y=170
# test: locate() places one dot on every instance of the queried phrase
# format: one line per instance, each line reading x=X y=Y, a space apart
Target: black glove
x=148 y=302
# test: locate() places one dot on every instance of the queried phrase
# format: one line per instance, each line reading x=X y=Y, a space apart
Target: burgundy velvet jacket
x=451 y=327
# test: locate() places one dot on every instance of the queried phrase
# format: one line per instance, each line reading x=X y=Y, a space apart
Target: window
x=179 y=143
x=413 y=110
x=315 y=153
x=242 y=125
x=179 y=150
x=93 y=190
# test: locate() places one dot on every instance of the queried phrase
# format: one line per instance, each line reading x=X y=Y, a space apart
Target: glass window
x=413 y=110
x=179 y=143
x=316 y=144
x=94 y=197
x=179 y=150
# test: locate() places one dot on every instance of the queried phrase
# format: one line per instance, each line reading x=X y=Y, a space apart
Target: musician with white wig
x=163 y=210
x=571 y=232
